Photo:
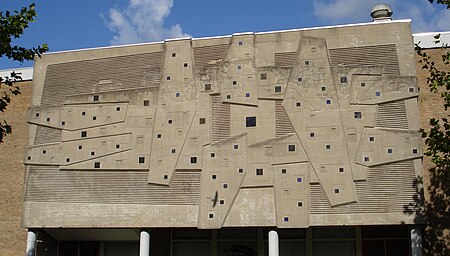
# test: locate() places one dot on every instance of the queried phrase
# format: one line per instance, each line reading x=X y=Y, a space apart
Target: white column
x=144 y=247
x=273 y=243
x=31 y=243
x=416 y=241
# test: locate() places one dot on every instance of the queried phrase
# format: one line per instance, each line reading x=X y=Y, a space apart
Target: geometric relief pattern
x=216 y=123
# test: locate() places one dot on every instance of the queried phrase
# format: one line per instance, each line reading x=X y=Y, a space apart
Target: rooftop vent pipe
x=381 y=12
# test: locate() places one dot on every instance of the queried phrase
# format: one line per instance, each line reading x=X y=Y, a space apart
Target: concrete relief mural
x=280 y=129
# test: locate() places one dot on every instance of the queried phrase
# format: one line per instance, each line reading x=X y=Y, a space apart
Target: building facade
x=203 y=146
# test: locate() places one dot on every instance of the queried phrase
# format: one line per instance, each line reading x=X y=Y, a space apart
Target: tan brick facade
x=430 y=103
x=13 y=237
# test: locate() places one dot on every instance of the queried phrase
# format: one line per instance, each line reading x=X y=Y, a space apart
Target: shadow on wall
x=433 y=212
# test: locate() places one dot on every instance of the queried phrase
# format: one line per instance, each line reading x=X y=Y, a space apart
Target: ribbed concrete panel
x=209 y=56
x=381 y=55
x=388 y=189
x=220 y=119
x=47 y=184
x=392 y=115
x=100 y=75
x=284 y=59
x=47 y=135
x=283 y=125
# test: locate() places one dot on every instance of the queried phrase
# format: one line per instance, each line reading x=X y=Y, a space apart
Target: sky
x=78 y=24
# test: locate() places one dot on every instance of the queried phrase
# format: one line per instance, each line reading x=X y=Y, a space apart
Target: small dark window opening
x=225 y=185
x=311 y=134
x=250 y=121
x=362 y=84
x=241 y=170
x=63 y=123
x=341 y=169
x=358 y=114
x=202 y=120
x=37 y=114
x=48 y=119
x=117 y=145
x=92 y=153
x=299 y=180
x=169 y=121
x=283 y=171
x=94 y=118
x=29 y=157
x=263 y=76
x=343 y=80
x=411 y=89
x=213 y=154
x=173 y=151
x=299 y=204
x=167 y=77
x=44 y=152
x=236 y=146
x=328 y=102
x=222 y=202
x=371 y=138
x=95 y=98
x=185 y=65
x=259 y=172
x=328 y=146
x=228 y=96
x=213 y=176
x=207 y=87
x=158 y=135
x=97 y=165
x=389 y=150
x=300 y=79
x=366 y=159
x=240 y=43
x=323 y=88
x=117 y=108
x=291 y=148
x=84 y=134
x=414 y=150
x=286 y=219
x=174 y=54
x=193 y=159
x=80 y=147
x=83 y=113
x=234 y=82
x=307 y=62
x=247 y=94
x=146 y=103
x=67 y=159
x=166 y=176
x=377 y=93
x=336 y=191
x=298 y=104
x=277 y=88
x=211 y=215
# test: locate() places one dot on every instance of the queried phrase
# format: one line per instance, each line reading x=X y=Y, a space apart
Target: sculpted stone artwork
x=291 y=129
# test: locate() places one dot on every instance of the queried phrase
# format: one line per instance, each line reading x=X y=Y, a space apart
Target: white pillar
x=273 y=243
x=31 y=243
x=416 y=241
x=144 y=247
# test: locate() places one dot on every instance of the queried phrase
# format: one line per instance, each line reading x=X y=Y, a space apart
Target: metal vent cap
x=381 y=12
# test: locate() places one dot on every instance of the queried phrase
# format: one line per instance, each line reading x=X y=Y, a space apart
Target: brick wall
x=430 y=104
x=13 y=237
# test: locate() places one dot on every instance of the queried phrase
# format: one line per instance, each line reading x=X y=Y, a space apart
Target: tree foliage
x=443 y=2
x=434 y=210
x=12 y=26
